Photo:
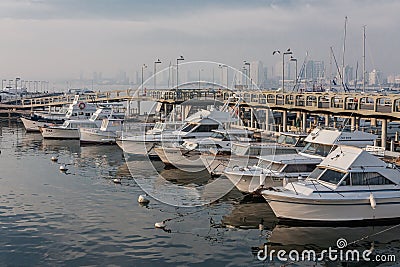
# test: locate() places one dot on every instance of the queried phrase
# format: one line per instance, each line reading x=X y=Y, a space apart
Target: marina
x=211 y=133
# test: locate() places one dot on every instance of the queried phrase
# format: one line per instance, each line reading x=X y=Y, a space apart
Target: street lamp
x=177 y=77
x=200 y=70
x=224 y=66
x=288 y=52
x=295 y=60
x=143 y=67
x=155 y=70
x=251 y=80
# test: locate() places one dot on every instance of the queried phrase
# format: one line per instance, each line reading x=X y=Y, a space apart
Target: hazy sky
x=48 y=39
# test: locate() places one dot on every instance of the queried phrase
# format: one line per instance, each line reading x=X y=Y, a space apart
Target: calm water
x=50 y=218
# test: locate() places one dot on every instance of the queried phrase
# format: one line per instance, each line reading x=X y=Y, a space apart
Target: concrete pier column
x=384 y=133
x=373 y=122
x=284 y=121
x=138 y=107
x=326 y=120
x=251 y=118
x=267 y=119
x=304 y=122
x=334 y=122
x=353 y=123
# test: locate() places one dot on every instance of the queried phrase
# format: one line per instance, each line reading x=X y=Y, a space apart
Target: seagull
x=276 y=52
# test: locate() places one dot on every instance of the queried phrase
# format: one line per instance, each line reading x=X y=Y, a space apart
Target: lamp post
x=288 y=52
x=295 y=60
x=155 y=71
x=251 y=80
x=222 y=67
x=177 y=77
x=200 y=70
x=143 y=67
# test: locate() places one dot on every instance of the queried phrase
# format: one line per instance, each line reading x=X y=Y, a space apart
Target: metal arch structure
x=195 y=85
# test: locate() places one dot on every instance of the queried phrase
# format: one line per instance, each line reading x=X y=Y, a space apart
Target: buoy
x=262 y=179
x=160 y=224
x=54 y=158
x=372 y=201
x=117 y=181
x=63 y=168
x=143 y=199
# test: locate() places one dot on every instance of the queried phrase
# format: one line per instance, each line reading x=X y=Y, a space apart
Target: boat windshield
x=317 y=149
x=331 y=176
x=295 y=168
x=273 y=166
x=286 y=140
x=188 y=127
x=316 y=173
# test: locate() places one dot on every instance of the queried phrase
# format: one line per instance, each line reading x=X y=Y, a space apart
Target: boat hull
x=97 y=137
x=249 y=182
x=333 y=210
x=182 y=159
x=59 y=133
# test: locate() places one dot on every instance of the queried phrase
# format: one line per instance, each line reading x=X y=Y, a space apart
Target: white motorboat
x=199 y=125
x=143 y=144
x=247 y=153
x=70 y=128
x=348 y=185
x=106 y=134
x=319 y=143
x=271 y=171
x=188 y=154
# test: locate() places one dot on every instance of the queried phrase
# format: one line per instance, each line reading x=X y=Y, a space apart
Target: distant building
x=375 y=77
x=257 y=72
x=314 y=70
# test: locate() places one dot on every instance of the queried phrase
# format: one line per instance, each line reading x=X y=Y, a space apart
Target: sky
x=55 y=39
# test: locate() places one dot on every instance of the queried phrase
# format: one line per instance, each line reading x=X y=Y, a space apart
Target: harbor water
x=81 y=217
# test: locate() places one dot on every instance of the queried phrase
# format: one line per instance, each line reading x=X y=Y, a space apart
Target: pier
x=352 y=106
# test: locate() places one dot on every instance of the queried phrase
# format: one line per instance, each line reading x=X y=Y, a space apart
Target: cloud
x=54 y=37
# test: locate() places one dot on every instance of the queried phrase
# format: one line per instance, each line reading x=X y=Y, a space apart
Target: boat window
x=332 y=176
x=368 y=178
x=80 y=113
x=218 y=135
x=290 y=168
x=206 y=128
x=286 y=140
x=87 y=114
x=316 y=173
x=317 y=149
x=273 y=166
x=285 y=151
x=301 y=142
x=188 y=127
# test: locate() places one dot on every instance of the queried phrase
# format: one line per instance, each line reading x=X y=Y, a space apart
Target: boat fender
x=63 y=168
x=160 y=224
x=262 y=179
x=372 y=201
x=143 y=199
x=54 y=158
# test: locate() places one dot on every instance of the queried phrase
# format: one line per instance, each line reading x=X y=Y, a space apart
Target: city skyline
x=61 y=39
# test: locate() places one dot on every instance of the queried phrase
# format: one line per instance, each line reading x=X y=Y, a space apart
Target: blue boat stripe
x=333 y=204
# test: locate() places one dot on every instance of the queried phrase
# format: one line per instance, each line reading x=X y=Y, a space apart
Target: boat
x=70 y=128
x=246 y=153
x=319 y=143
x=143 y=144
x=106 y=134
x=77 y=110
x=198 y=125
x=188 y=154
x=271 y=170
x=350 y=184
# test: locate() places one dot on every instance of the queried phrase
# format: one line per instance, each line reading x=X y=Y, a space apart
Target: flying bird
x=276 y=52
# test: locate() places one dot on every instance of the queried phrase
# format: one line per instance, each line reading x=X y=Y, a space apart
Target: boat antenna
x=364 y=26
